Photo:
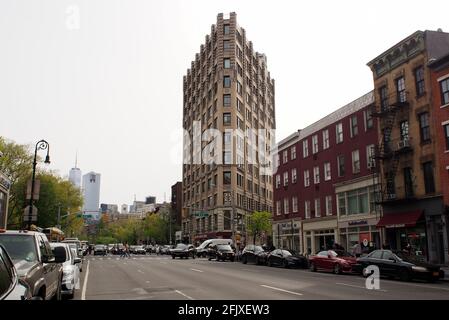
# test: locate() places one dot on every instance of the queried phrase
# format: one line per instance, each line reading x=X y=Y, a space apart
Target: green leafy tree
x=258 y=223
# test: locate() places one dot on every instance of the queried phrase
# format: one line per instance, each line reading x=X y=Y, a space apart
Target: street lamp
x=40 y=145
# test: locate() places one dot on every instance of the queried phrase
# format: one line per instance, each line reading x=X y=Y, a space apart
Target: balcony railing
x=391 y=104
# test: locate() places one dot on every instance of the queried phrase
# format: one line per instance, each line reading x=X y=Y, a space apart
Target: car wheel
x=218 y=258
x=337 y=269
x=193 y=256
x=312 y=267
x=209 y=259
x=404 y=275
x=58 y=293
x=257 y=261
x=172 y=257
x=245 y=260
x=285 y=264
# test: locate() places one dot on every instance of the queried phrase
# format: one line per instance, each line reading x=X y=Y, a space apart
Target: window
x=305 y=148
x=239 y=105
x=295 y=204
x=240 y=180
x=400 y=90
x=226 y=82
x=226 y=44
x=227 y=157
x=227 y=63
x=403 y=126
x=278 y=160
x=306 y=178
x=226 y=177
x=226 y=119
x=5 y=276
x=240 y=124
x=227 y=138
x=356 y=201
x=285 y=156
x=444 y=87
x=446 y=135
x=226 y=100
x=368 y=117
x=278 y=181
x=341 y=165
x=428 y=177
x=226 y=29
x=419 y=81
x=278 y=208
x=327 y=171
x=307 y=209
x=339 y=132
x=315 y=144
x=424 y=127
x=286 y=209
x=383 y=93
x=328 y=205
x=354 y=126
x=325 y=139
x=239 y=88
x=293 y=152
x=285 y=178
x=316 y=175
x=355 y=161
x=317 y=208
x=408 y=182
x=371 y=163
x=294 y=176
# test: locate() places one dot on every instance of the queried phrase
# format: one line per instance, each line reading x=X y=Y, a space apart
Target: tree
x=259 y=222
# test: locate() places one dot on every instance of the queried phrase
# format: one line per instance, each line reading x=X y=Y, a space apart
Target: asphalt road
x=162 y=278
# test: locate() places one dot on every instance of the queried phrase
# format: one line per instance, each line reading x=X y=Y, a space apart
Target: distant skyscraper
x=124 y=208
x=91 y=193
x=150 y=200
x=75 y=175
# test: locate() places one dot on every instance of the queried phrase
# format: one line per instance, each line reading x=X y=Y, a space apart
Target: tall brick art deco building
x=227 y=88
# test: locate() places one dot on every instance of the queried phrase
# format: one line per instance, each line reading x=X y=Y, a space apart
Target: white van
x=201 y=250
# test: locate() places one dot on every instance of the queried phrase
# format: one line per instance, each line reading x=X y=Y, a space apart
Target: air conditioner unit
x=403 y=144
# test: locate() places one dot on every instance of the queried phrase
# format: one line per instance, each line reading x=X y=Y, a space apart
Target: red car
x=337 y=261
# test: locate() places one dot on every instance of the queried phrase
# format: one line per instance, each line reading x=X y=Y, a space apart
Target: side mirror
x=77 y=260
x=60 y=255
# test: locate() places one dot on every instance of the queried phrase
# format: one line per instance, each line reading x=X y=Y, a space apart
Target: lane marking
x=360 y=287
x=282 y=290
x=183 y=294
x=161 y=262
x=83 y=294
x=148 y=281
x=141 y=271
x=196 y=270
x=124 y=263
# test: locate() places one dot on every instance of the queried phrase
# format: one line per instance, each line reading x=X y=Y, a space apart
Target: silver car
x=70 y=278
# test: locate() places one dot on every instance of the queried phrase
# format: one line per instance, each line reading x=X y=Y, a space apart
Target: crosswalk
x=130 y=258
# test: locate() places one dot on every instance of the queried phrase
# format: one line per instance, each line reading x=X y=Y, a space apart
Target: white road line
x=360 y=287
x=124 y=263
x=147 y=281
x=140 y=271
x=196 y=270
x=93 y=259
x=183 y=294
x=282 y=290
x=161 y=262
x=83 y=294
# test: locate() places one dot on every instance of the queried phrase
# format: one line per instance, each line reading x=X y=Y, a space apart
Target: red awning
x=400 y=219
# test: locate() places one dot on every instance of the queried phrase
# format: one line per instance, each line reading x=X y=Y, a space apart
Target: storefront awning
x=400 y=220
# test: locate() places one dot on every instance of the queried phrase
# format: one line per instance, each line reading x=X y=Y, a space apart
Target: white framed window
x=293 y=152
x=306 y=178
x=278 y=181
x=317 y=207
x=305 y=148
x=355 y=161
x=327 y=171
x=278 y=160
x=295 y=204
x=341 y=165
x=285 y=156
x=278 y=208
x=328 y=205
x=353 y=126
x=316 y=175
x=294 y=175
x=339 y=132
x=326 y=139
x=315 y=144
x=370 y=161
x=307 y=209
x=285 y=178
x=286 y=209
x=368 y=119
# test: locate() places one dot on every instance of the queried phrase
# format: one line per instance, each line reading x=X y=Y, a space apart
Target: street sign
x=37 y=187
x=26 y=214
x=201 y=214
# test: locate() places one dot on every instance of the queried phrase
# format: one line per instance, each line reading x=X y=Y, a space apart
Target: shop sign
x=4 y=182
x=357 y=222
x=395 y=226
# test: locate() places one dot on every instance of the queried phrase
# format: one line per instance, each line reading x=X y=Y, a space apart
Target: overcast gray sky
x=111 y=87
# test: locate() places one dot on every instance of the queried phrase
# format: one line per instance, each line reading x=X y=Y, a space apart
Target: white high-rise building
x=124 y=208
x=75 y=175
x=91 y=193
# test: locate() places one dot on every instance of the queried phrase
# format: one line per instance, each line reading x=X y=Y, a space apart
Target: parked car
x=399 y=265
x=221 y=252
x=139 y=250
x=183 y=251
x=201 y=250
x=286 y=259
x=337 y=261
x=35 y=262
x=254 y=254
x=76 y=253
x=70 y=269
x=11 y=286
x=149 y=248
x=165 y=249
x=100 y=249
x=75 y=241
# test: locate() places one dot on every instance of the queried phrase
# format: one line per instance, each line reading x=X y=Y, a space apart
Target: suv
x=35 y=262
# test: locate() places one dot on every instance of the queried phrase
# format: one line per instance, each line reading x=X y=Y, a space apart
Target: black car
x=221 y=252
x=100 y=249
x=399 y=265
x=286 y=259
x=254 y=254
x=183 y=251
x=11 y=286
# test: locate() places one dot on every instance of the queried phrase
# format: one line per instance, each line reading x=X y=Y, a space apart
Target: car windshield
x=341 y=253
x=286 y=253
x=19 y=247
x=99 y=247
x=224 y=247
x=181 y=246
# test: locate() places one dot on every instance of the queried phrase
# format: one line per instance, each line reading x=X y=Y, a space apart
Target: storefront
x=360 y=231
x=4 y=197
x=319 y=234
x=287 y=234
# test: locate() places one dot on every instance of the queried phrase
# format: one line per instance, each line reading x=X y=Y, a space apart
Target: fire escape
x=388 y=152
